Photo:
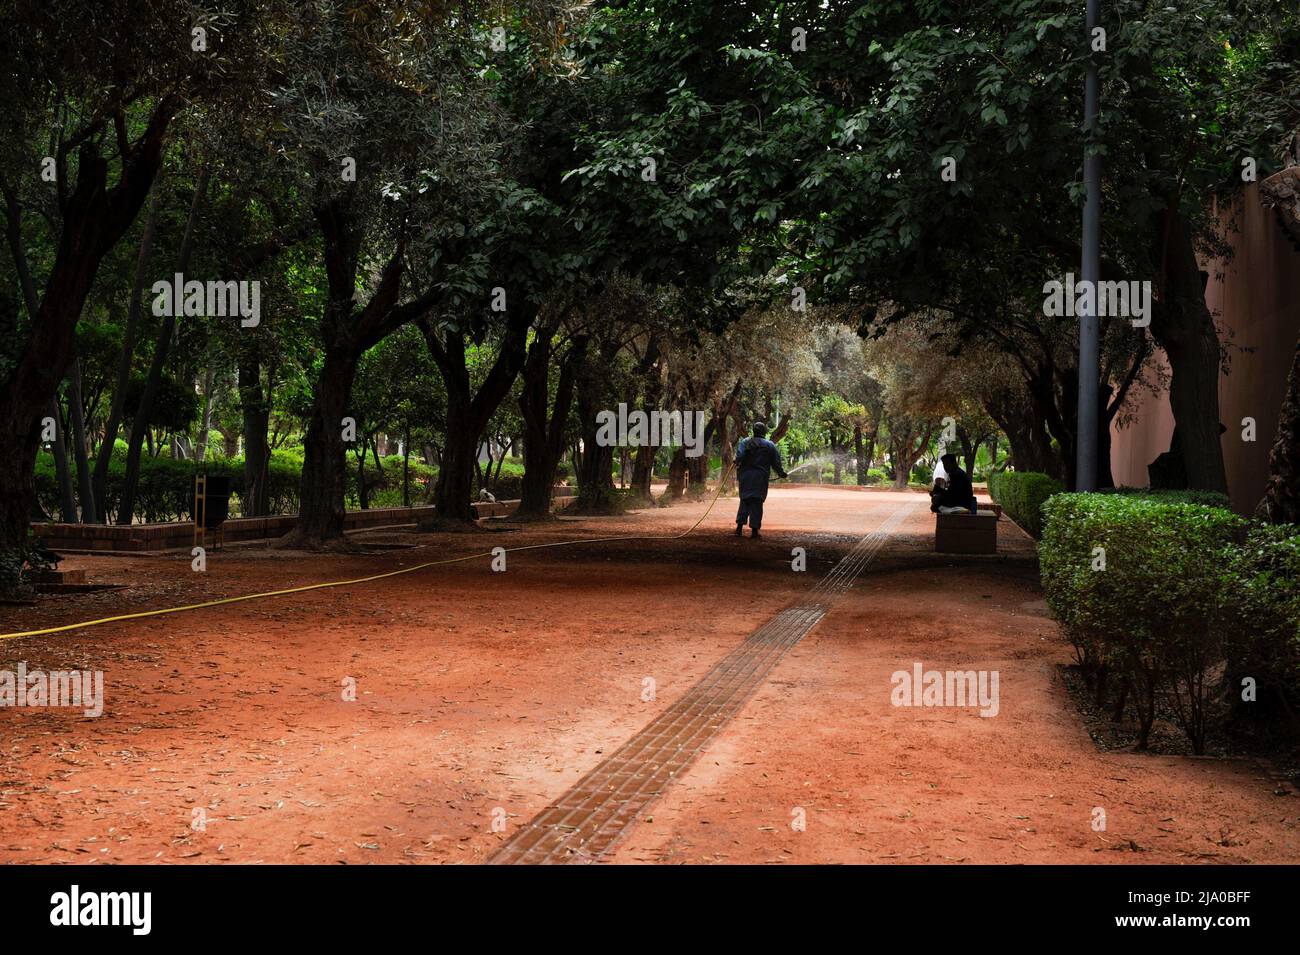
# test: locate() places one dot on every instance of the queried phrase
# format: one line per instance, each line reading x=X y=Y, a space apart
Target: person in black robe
x=755 y=458
x=956 y=491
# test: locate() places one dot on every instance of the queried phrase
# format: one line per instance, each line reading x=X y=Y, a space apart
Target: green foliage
x=1022 y=495
x=17 y=564
x=834 y=419
x=1145 y=587
x=385 y=490
x=1169 y=496
x=508 y=487
x=175 y=406
x=167 y=486
x=1264 y=602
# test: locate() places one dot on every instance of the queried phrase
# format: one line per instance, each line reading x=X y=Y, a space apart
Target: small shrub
x=1022 y=494
x=19 y=564
x=166 y=486
x=1170 y=496
x=508 y=487
x=1263 y=618
x=1151 y=603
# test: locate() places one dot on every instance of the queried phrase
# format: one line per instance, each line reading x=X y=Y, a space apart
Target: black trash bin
x=216 y=506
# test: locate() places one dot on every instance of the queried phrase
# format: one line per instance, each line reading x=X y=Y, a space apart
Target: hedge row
x=1208 y=498
x=1181 y=600
x=166 y=485
x=1021 y=494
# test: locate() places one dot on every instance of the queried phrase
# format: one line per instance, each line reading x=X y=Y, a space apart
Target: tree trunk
x=643 y=462
x=406 y=465
x=775 y=434
x=135 y=310
x=595 y=475
x=905 y=451
x=698 y=471
x=643 y=472
x=1183 y=326
x=1031 y=445
x=363 y=499
x=543 y=434
x=857 y=455
x=324 y=466
x=20 y=432
x=1105 y=479
x=94 y=218
x=456 y=476
x=1281 y=501
x=67 y=503
x=161 y=348
x=902 y=467
x=676 y=475
x=728 y=439
x=140 y=425
x=468 y=414
x=85 y=488
x=205 y=421
x=379 y=461
x=256 y=412
x=722 y=415
x=969 y=449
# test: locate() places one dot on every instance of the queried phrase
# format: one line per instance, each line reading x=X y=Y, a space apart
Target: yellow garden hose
x=364 y=580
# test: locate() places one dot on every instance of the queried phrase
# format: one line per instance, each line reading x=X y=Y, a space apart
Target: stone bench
x=968 y=533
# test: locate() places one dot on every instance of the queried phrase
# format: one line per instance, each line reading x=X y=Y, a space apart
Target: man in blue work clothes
x=754 y=458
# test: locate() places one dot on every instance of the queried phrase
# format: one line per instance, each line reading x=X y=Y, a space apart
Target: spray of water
x=845 y=460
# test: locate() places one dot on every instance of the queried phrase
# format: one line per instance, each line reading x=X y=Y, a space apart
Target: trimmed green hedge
x=509 y=484
x=1171 y=596
x=1264 y=601
x=1022 y=494
x=1168 y=496
x=166 y=485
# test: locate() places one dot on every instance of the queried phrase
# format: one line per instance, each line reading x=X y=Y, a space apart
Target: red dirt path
x=479 y=693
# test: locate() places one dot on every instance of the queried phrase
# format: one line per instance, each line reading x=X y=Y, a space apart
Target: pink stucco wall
x=1256 y=297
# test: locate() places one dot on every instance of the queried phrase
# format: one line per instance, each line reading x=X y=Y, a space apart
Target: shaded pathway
x=588 y=819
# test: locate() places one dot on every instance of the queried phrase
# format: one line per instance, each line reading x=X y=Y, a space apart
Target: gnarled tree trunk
x=255 y=408
x=93 y=218
x=468 y=413
x=595 y=471
x=1183 y=326
x=161 y=349
x=324 y=466
x=1281 y=501
x=543 y=433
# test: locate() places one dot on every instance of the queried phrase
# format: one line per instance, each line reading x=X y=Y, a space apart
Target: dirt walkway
x=480 y=697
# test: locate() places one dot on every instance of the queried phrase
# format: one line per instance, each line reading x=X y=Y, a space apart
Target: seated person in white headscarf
x=952 y=493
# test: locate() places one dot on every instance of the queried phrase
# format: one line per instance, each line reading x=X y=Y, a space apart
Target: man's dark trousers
x=751 y=508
